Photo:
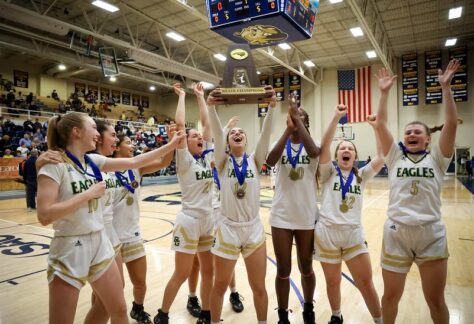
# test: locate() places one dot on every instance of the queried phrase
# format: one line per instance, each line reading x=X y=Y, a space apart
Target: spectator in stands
x=18 y=154
x=55 y=95
x=28 y=126
x=62 y=108
x=93 y=112
x=5 y=143
x=37 y=124
x=20 y=98
x=141 y=110
x=10 y=98
x=38 y=135
x=29 y=98
x=45 y=127
x=3 y=100
x=123 y=116
x=29 y=176
x=8 y=127
x=23 y=150
x=68 y=105
x=8 y=154
x=151 y=121
x=26 y=140
x=34 y=108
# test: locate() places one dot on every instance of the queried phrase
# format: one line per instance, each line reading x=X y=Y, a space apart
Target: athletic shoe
x=139 y=314
x=236 y=302
x=161 y=318
x=193 y=306
x=336 y=320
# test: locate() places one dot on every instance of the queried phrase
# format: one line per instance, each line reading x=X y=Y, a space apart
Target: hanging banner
x=145 y=102
x=279 y=85
x=116 y=96
x=460 y=79
x=20 y=79
x=295 y=86
x=135 y=99
x=80 y=88
x=104 y=94
x=126 y=98
x=410 y=79
x=432 y=86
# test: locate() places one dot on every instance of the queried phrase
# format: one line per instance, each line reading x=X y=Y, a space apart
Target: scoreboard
x=262 y=22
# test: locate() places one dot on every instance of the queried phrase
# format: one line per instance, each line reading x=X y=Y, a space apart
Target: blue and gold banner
x=460 y=79
x=295 y=86
x=126 y=98
x=104 y=94
x=434 y=94
x=279 y=85
x=116 y=96
x=20 y=79
x=145 y=102
x=410 y=79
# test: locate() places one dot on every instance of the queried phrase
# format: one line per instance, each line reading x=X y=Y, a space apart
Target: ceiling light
x=220 y=57
x=371 y=54
x=62 y=67
x=113 y=79
x=152 y=88
x=207 y=85
x=106 y=6
x=284 y=46
x=308 y=63
x=335 y=1
x=357 y=32
x=455 y=12
x=177 y=37
x=258 y=72
x=451 y=42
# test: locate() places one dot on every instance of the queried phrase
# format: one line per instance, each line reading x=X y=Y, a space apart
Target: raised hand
x=293 y=106
x=340 y=111
x=214 y=98
x=385 y=79
x=177 y=138
x=270 y=96
x=446 y=77
x=198 y=89
x=232 y=122
x=171 y=130
x=178 y=89
x=289 y=123
x=372 y=119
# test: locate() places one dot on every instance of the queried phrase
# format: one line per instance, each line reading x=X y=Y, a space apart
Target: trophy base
x=234 y=96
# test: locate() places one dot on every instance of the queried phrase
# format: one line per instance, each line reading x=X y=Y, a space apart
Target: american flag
x=354 y=91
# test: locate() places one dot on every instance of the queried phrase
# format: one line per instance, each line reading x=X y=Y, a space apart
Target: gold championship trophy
x=240 y=83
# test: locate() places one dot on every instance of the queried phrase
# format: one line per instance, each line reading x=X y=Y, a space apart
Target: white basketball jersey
x=415 y=185
x=126 y=210
x=335 y=211
x=73 y=181
x=196 y=182
x=247 y=208
x=107 y=201
x=294 y=202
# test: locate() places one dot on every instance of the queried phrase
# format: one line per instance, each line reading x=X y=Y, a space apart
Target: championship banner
x=279 y=85
x=263 y=107
x=126 y=98
x=460 y=79
x=295 y=86
x=20 y=79
x=94 y=90
x=104 y=94
x=434 y=94
x=9 y=168
x=116 y=96
x=80 y=88
x=410 y=79
x=135 y=100
x=145 y=102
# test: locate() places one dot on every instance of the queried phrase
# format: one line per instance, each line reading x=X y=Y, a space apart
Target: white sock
x=233 y=289
x=337 y=313
x=216 y=322
x=378 y=320
x=262 y=322
x=192 y=294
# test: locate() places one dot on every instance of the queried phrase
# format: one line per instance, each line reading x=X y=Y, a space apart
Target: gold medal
x=129 y=200
x=294 y=174
x=343 y=207
x=240 y=193
x=134 y=184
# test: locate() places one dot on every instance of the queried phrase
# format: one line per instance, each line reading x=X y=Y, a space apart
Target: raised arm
x=114 y=164
x=309 y=145
x=261 y=150
x=277 y=150
x=377 y=162
x=325 y=157
x=447 y=137
x=203 y=112
x=50 y=209
x=217 y=131
x=385 y=83
x=180 y=116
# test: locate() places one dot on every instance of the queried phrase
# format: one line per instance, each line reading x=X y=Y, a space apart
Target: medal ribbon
x=345 y=186
x=203 y=155
x=240 y=173
x=95 y=169
x=405 y=151
x=293 y=160
x=124 y=181
x=215 y=174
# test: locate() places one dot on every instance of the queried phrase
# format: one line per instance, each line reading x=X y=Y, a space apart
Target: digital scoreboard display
x=262 y=22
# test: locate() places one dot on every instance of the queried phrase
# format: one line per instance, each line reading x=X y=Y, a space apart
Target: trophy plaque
x=240 y=83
